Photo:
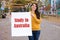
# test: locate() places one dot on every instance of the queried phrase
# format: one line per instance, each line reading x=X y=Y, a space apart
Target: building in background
x=58 y=4
x=58 y=7
x=53 y=7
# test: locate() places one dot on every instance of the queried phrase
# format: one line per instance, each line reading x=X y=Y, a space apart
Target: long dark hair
x=36 y=11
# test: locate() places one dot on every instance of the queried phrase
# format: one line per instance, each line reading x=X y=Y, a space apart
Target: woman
x=35 y=22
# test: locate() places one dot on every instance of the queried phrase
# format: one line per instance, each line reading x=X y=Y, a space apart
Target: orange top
x=35 y=23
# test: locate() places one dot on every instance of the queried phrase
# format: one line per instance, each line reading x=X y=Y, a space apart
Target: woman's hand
x=32 y=15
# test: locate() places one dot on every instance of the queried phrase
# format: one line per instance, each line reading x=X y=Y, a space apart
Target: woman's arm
x=37 y=20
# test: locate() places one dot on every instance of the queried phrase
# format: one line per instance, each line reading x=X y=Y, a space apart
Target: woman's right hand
x=32 y=15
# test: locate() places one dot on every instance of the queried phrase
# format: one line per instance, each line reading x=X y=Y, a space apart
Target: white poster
x=21 y=24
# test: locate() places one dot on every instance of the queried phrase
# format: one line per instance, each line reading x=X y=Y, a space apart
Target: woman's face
x=33 y=7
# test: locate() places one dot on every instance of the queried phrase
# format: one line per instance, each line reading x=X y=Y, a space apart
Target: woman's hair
x=36 y=11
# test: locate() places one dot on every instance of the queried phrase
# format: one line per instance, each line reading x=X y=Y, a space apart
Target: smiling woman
x=35 y=22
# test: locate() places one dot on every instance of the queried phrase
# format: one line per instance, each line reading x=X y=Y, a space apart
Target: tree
x=20 y=1
x=0 y=4
x=47 y=8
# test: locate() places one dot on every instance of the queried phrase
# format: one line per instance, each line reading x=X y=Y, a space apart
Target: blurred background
x=46 y=7
x=49 y=10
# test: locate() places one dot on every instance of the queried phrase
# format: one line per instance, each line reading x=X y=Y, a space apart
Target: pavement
x=49 y=30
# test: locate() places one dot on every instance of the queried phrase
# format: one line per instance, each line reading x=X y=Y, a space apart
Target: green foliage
x=20 y=1
x=6 y=10
x=42 y=15
x=46 y=2
x=0 y=4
